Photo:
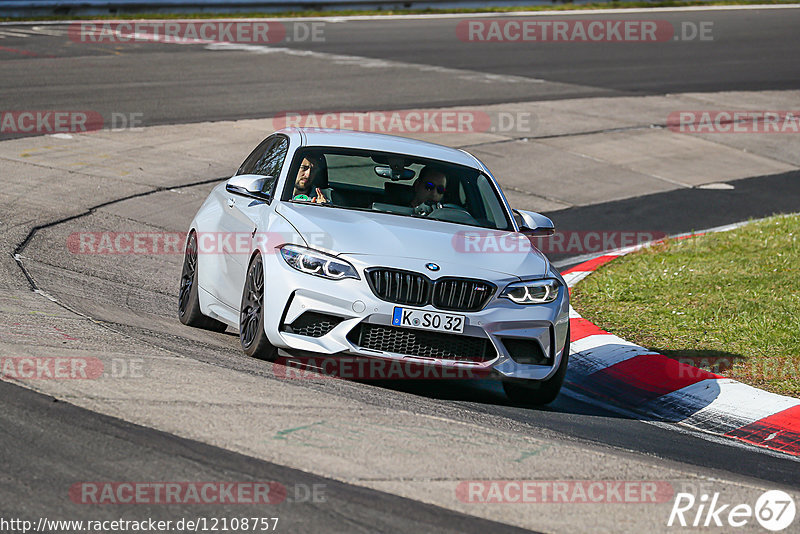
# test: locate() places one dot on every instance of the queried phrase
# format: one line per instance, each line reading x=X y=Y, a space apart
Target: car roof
x=382 y=143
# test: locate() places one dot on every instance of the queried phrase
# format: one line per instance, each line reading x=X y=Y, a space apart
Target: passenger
x=309 y=168
x=429 y=188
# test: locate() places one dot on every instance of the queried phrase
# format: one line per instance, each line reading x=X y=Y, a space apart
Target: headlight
x=533 y=292
x=317 y=263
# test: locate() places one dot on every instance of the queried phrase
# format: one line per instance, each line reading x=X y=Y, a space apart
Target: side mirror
x=249 y=185
x=534 y=224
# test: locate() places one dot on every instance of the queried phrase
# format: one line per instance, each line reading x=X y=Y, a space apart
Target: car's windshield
x=397 y=184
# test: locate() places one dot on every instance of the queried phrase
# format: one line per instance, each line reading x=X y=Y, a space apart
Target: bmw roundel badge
x=432 y=266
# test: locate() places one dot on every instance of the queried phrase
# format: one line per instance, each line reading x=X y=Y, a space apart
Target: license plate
x=427 y=320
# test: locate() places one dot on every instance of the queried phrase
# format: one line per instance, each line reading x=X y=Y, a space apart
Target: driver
x=309 y=168
x=429 y=188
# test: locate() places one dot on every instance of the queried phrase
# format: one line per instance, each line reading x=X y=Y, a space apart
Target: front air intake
x=312 y=324
x=413 y=342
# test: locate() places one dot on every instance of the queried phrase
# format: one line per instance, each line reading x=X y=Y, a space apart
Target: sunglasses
x=439 y=188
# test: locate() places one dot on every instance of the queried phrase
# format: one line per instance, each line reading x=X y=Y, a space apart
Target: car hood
x=353 y=233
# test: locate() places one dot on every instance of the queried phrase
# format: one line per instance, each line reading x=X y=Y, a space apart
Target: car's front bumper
x=501 y=323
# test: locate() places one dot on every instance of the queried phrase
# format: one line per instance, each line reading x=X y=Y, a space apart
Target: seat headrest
x=321 y=175
x=398 y=194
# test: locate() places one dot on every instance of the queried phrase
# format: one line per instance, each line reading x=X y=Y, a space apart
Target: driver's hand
x=320 y=198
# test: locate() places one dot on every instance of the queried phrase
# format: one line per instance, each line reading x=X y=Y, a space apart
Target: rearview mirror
x=534 y=224
x=384 y=171
x=249 y=185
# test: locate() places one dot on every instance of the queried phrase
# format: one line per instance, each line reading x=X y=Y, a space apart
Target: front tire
x=251 y=315
x=188 y=303
x=524 y=392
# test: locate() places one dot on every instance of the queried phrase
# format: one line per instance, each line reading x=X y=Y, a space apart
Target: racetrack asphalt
x=138 y=311
x=39 y=447
x=751 y=49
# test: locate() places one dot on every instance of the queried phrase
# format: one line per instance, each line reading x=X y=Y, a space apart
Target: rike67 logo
x=774 y=510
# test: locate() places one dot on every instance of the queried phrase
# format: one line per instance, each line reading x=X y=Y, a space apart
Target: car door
x=242 y=214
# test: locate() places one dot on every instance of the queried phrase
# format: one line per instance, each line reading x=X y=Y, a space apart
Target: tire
x=251 y=314
x=538 y=393
x=188 y=303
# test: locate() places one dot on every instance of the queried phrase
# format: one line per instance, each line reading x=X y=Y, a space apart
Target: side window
x=271 y=162
x=267 y=160
x=255 y=155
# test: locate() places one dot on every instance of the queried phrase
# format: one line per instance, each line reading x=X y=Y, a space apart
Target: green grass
x=728 y=302
x=356 y=12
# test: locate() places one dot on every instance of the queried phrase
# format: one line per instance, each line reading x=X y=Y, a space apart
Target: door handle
x=231 y=202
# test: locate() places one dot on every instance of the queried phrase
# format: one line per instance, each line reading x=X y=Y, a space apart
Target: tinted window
x=255 y=155
x=400 y=184
x=271 y=162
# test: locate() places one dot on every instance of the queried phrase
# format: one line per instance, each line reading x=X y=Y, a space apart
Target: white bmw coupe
x=350 y=244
